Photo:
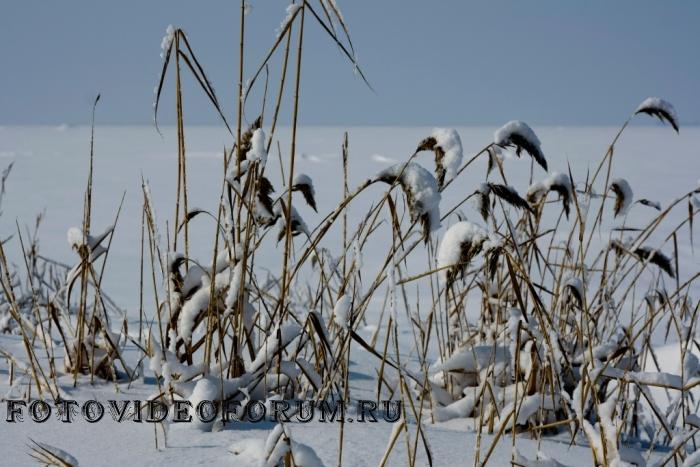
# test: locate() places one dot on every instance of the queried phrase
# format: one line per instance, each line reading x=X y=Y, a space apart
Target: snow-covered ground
x=49 y=173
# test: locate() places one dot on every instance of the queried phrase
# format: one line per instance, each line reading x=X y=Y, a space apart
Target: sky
x=429 y=63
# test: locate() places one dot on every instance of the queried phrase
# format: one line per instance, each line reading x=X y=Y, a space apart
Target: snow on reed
x=421 y=190
x=660 y=108
x=75 y=237
x=449 y=141
x=292 y=10
x=167 y=40
x=199 y=302
x=519 y=135
x=447 y=146
x=559 y=183
x=305 y=185
x=257 y=147
x=458 y=246
x=623 y=196
x=342 y=311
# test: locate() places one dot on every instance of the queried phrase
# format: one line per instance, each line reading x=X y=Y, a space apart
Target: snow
x=654 y=105
x=303 y=179
x=257 y=153
x=452 y=243
x=605 y=349
x=75 y=237
x=234 y=286
x=502 y=136
x=460 y=408
x=623 y=191
x=558 y=179
x=422 y=188
x=542 y=460
x=288 y=332
x=206 y=389
x=303 y=183
x=576 y=285
x=692 y=460
x=651 y=203
x=357 y=254
x=198 y=303
x=57 y=453
x=279 y=443
x=657 y=103
x=297 y=222
x=167 y=40
x=292 y=10
x=471 y=359
x=342 y=311
x=669 y=359
x=248 y=451
x=519 y=134
x=526 y=407
x=693 y=420
x=449 y=141
x=537 y=191
x=257 y=150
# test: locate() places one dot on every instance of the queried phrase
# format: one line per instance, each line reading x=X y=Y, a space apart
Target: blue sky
x=431 y=63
